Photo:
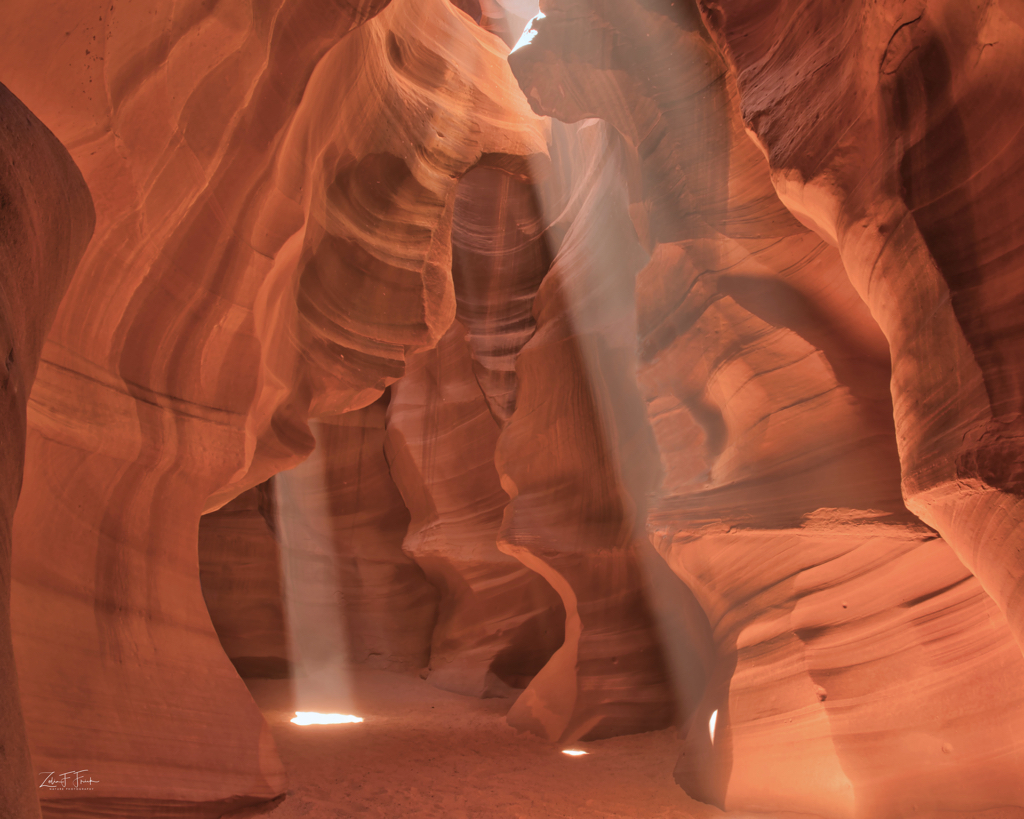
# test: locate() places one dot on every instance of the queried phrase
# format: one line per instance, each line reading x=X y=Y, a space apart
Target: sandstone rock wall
x=240 y=574
x=248 y=239
x=575 y=458
x=913 y=180
x=701 y=398
x=766 y=382
x=388 y=606
x=46 y=220
x=498 y=622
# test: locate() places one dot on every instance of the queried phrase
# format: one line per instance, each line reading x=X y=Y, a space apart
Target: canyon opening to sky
x=484 y=408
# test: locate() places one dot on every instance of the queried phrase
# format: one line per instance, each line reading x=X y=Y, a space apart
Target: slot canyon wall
x=663 y=370
x=46 y=220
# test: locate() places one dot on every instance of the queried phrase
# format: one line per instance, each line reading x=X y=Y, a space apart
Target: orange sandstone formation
x=258 y=259
x=576 y=459
x=844 y=628
x=46 y=219
x=240 y=573
x=498 y=621
x=501 y=250
x=913 y=178
x=694 y=390
x=388 y=608
x=256 y=566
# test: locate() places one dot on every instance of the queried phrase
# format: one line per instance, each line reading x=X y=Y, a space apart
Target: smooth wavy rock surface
x=337 y=523
x=274 y=189
x=498 y=621
x=345 y=495
x=240 y=573
x=46 y=219
x=572 y=461
x=665 y=367
x=844 y=628
x=915 y=181
x=501 y=250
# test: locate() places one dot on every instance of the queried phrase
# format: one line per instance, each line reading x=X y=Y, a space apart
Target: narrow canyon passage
x=643 y=376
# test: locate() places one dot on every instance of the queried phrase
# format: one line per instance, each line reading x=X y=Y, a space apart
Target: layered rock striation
x=576 y=460
x=498 y=621
x=664 y=368
x=843 y=626
x=46 y=220
x=258 y=259
x=240 y=574
x=913 y=181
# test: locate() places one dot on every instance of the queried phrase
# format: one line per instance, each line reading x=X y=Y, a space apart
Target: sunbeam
x=314 y=616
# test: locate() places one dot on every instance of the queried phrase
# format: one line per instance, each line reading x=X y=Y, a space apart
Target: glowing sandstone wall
x=576 y=460
x=914 y=179
x=756 y=306
x=861 y=670
x=498 y=621
x=274 y=189
x=240 y=574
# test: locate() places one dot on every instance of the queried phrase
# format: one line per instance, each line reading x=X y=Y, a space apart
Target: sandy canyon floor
x=423 y=752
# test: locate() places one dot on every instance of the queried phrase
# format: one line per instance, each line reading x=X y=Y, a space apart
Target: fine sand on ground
x=423 y=752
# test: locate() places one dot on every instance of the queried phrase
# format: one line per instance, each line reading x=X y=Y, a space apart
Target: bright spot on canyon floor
x=313 y=718
x=424 y=753
x=574 y=752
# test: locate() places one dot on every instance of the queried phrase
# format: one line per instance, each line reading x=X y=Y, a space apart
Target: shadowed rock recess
x=662 y=367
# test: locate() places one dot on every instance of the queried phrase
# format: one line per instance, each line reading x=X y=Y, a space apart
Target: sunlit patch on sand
x=574 y=752
x=313 y=718
x=711 y=725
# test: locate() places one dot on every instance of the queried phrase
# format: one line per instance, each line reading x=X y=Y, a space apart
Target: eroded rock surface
x=388 y=606
x=576 y=459
x=766 y=381
x=46 y=220
x=240 y=573
x=915 y=179
x=258 y=259
x=701 y=398
x=499 y=622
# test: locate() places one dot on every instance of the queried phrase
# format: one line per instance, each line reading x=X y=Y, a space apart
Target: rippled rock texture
x=498 y=621
x=274 y=190
x=914 y=180
x=46 y=219
x=844 y=627
x=573 y=459
x=664 y=368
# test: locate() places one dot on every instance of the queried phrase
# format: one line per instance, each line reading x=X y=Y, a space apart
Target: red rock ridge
x=498 y=621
